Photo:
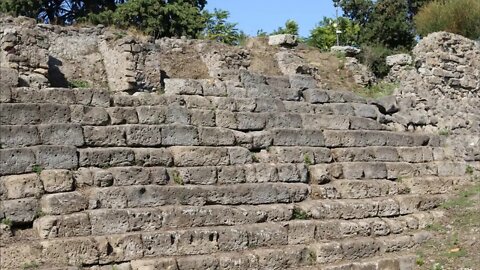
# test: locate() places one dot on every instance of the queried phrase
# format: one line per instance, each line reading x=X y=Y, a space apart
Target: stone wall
x=212 y=168
x=441 y=92
x=205 y=178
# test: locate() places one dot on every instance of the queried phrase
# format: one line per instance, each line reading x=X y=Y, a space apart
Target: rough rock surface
x=219 y=168
x=441 y=94
x=282 y=40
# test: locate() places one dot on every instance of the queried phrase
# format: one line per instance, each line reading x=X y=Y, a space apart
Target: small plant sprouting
x=312 y=257
x=177 y=178
x=39 y=214
x=255 y=159
x=307 y=160
x=7 y=221
x=78 y=84
x=444 y=132
x=419 y=261
x=469 y=170
x=37 y=169
x=437 y=266
x=30 y=265
x=300 y=214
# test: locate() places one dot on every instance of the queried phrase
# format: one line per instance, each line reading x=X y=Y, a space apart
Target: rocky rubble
x=441 y=92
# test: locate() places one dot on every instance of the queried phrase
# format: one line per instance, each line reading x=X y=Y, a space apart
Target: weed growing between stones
x=177 y=178
x=78 y=84
x=379 y=90
x=444 y=132
x=30 y=265
x=469 y=170
x=299 y=214
x=37 y=169
x=7 y=221
x=307 y=160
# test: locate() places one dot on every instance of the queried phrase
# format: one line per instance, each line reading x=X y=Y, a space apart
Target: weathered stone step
x=323 y=173
x=31 y=113
x=153 y=196
x=351 y=138
x=251 y=240
x=391 y=262
x=391 y=154
x=119 y=221
x=67 y=96
x=355 y=189
x=373 y=207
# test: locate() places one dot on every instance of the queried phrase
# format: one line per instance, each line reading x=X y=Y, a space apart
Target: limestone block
x=346 y=50
x=179 y=135
x=298 y=137
x=278 y=81
x=198 y=262
x=125 y=248
x=320 y=174
x=18 y=136
x=366 y=111
x=314 y=121
x=183 y=87
x=315 y=96
x=14 y=256
x=284 y=120
x=109 y=221
x=292 y=173
x=199 y=156
x=216 y=136
x=399 y=59
x=16 y=160
x=178 y=115
x=54 y=113
x=204 y=118
x=56 y=157
x=73 y=251
x=360 y=170
x=239 y=155
x=63 y=203
x=153 y=157
x=104 y=135
x=122 y=115
x=301 y=232
x=57 y=180
x=302 y=82
x=231 y=175
x=111 y=197
x=267 y=91
x=212 y=87
x=85 y=115
x=61 y=134
x=283 y=39
x=164 y=263
x=160 y=244
x=21 y=210
x=106 y=157
x=19 y=114
x=128 y=176
x=151 y=114
x=92 y=97
x=5 y=94
x=194 y=175
x=360 y=123
x=73 y=225
x=143 y=135
x=21 y=186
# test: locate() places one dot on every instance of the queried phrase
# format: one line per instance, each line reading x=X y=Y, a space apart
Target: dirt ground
x=456 y=242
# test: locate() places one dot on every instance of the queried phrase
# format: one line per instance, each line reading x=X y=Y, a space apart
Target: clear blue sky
x=252 y=15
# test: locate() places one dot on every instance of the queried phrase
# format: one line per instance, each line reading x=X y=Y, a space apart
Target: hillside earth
x=118 y=151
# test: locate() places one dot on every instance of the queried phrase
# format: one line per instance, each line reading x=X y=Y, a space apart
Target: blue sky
x=252 y=15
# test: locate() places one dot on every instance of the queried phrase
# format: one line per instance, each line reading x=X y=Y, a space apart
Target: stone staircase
x=264 y=173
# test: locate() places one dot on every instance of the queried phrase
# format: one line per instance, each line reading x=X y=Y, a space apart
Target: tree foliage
x=291 y=27
x=324 y=35
x=218 y=28
x=460 y=17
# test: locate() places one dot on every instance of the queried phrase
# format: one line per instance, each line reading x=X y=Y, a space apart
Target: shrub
x=456 y=16
x=374 y=57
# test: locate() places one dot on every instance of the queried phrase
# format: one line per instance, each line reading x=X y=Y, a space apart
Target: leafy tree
x=291 y=27
x=261 y=33
x=460 y=17
x=324 y=35
x=219 y=29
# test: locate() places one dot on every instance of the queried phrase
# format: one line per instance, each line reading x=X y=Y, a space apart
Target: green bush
x=324 y=36
x=456 y=16
x=374 y=57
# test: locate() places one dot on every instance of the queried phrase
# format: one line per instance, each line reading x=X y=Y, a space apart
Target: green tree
x=324 y=36
x=291 y=27
x=219 y=29
x=460 y=17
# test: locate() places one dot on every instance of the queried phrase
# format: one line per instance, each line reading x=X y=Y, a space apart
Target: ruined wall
x=228 y=169
x=440 y=92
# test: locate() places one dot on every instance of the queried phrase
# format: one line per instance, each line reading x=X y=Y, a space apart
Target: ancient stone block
x=199 y=156
x=143 y=135
x=18 y=136
x=63 y=203
x=56 y=157
x=106 y=157
x=104 y=135
x=179 y=135
x=16 y=160
x=20 y=210
x=61 y=134
x=21 y=186
x=151 y=114
x=57 y=180
x=152 y=157
x=85 y=115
